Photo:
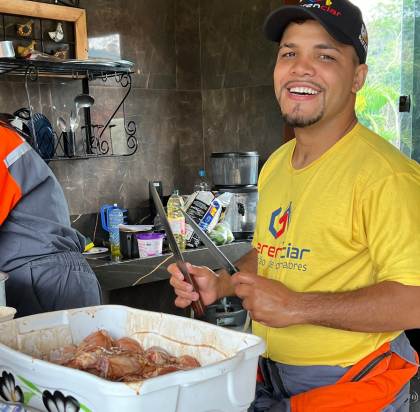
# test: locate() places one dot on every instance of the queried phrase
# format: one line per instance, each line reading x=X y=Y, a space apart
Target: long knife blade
x=198 y=306
x=213 y=249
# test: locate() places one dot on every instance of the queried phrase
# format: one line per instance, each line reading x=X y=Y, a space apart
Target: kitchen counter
x=118 y=275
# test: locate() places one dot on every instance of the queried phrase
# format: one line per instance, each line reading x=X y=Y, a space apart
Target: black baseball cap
x=341 y=18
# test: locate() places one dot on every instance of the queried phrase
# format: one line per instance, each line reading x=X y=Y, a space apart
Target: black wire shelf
x=75 y=69
x=92 y=141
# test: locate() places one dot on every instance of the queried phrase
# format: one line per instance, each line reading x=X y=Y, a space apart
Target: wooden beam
x=52 y=12
x=80 y=32
x=40 y=10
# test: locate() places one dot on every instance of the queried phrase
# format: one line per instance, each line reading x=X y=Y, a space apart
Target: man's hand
x=206 y=280
x=268 y=301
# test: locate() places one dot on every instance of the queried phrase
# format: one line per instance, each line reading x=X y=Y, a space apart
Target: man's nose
x=303 y=67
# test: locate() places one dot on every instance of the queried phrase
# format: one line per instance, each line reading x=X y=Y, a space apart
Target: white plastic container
x=150 y=244
x=7 y=313
x=225 y=382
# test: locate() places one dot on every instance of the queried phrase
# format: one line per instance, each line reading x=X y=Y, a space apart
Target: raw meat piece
x=187 y=362
x=122 y=360
x=86 y=360
x=159 y=356
x=97 y=339
x=115 y=367
x=163 y=370
x=128 y=345
x=149 y=370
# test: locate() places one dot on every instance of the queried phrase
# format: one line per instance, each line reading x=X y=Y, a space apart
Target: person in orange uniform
x=39 y=250
x=333 y=278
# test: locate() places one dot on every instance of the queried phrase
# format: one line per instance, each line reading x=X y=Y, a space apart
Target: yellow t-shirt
x=348 y=220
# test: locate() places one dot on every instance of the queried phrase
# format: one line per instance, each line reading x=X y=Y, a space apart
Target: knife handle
x=198 y=308
x=198 y=305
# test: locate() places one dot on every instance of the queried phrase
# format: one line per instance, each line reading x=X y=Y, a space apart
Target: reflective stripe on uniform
x=368 y=386
x=12 y=148
x=16 y=154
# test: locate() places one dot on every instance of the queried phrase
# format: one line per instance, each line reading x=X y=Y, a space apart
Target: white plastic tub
x=7 y=313
x=225 y=382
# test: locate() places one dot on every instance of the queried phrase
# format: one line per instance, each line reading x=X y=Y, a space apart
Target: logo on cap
x=363 y=37
x=324 y=5
x=327 y=2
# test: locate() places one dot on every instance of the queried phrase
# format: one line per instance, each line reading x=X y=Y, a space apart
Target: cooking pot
x=241 y=213
x=3 y=278
x=234 y=168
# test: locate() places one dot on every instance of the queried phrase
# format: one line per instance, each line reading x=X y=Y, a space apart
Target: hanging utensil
x=74 y=121
x=83 y=101
x=61 y=123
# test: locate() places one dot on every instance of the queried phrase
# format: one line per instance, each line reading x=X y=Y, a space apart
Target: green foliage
x=376 y=106
x=377 y=102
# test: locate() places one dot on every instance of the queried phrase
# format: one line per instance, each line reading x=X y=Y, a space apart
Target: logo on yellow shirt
x=279 y=227
x=278 y=254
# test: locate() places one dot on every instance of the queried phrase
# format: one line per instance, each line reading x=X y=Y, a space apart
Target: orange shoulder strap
x=385 y=375
x=10 y=192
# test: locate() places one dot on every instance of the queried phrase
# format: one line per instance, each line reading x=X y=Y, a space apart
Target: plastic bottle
x=176 y=218
x=116 y=218
x=202 y=183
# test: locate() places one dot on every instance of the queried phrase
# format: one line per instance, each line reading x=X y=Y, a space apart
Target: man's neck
x=313 y=141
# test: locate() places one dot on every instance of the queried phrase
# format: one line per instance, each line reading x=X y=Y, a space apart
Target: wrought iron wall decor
x=95 y=140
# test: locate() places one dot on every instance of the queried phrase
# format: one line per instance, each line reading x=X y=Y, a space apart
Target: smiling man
x=334 y=276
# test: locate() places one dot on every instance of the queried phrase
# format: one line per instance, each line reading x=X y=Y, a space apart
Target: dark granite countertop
x=117 y=275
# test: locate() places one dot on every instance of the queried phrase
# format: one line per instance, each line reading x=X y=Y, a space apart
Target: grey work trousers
x=54 y=282
x=283 y=381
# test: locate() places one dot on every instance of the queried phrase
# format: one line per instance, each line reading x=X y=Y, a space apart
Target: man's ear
x=359 y=77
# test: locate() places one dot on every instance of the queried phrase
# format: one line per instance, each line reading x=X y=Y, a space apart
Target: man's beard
x=297 y=120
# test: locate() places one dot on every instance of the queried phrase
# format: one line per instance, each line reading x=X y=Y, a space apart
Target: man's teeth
x=303 y=90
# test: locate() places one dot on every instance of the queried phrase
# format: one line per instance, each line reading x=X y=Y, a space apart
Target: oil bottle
x=176 y=218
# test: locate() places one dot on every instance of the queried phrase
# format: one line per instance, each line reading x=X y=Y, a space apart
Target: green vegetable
x=218 y=235
x=230 y=237
x=221 y=234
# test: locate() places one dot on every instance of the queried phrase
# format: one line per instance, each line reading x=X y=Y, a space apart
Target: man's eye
x=326 y=57
x=287 y=55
